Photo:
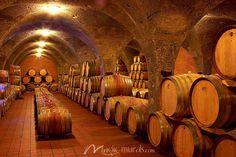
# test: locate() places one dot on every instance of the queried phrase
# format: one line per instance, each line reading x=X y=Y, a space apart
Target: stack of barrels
x=7 y=94
x=15 y=78
x=65 y=83
x=73 y=76
x=89 y=84
x=121 y=68
x=52 y=119
x=197 y=116
x=41 y=78
x=139 y=75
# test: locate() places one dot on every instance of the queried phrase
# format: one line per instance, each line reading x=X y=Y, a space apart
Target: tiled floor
x=18 y=138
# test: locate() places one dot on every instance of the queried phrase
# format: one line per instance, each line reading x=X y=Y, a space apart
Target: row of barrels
x=15 y=75
x=75 y=70
x=138 y=67
x=140 y=93
x=37 y=79
x=195 y=95
x=139 y=75
x=33 y=72
x=52 y=119
x=90 y=68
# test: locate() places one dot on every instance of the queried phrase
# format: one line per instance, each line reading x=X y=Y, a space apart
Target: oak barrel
x=159 y=129
x=94 y=84
x=15 y=70
x=144 y=75
x=115 y=85
x=109 y=108
x=87 y=100
x=65 y=79
x=83 y=69
x=141 y=58
x=15 y=80
x=174 y=94
x=32 y=72
x=4 y=76
x=82 y=101
x=49 y=79
x=225 y=145
x=93 y=102
x=137 y=118
x=26 y=80
x=85 y=83
x=225 y=54
x=100 y=105
x=92 y=68
x=142 y=67
x=79 y=96
x=43 y=72
x=209 y=94
x=188 y=140
x=76 y=82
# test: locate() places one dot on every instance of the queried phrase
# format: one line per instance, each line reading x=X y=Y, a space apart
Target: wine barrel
x=93 y=102
x=135 y=67
x=26 y=80
x=140 y=83
x=92 y=68
x=142 y=67
x=159 y=129
x=76 y=82
x=121 y=108
x=132 y=67
x=76 y=70
x=83 y=98
x=83 y=69
x=144 y=75
x=145 y=84
x=94 y=84
x=135 y=59
x=65 y=79
x=87 y=100
x=85 y=83
x=133 y=75
x=109 y=108
x=141 y=93
x=32 y=72
x=15 y=70
x=79 y=96
x=115 y=85
x=135 y=83
x=37 y=79
x=209 y=94
x=75 y=98
x=43 y=72
x=49 y=79
x=54 y=87
x=81 y=82
x=15 y=80
x=174 y=94
x=4 y=76
x=100 y=105
x=225 y=54
x=188 y=140
x=225 y=145
x=137 y=118
x=141 y=58
x=137 y=75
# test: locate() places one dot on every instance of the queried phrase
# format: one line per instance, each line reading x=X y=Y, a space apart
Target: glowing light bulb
x=44 y=32
x=41 y=43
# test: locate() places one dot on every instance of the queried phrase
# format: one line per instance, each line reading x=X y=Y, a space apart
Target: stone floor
x=18 y=137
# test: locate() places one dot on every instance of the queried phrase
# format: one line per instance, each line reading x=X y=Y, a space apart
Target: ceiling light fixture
x=44 y=32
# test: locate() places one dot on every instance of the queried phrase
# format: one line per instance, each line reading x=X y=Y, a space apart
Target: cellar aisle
x=17 y=134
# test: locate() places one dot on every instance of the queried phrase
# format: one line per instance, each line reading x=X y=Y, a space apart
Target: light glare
x=41 y=43
x=53 y=8
x=38 y=54
x=44 y=32
x=39 y=50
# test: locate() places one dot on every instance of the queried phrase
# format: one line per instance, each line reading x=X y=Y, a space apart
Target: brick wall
x=33 y=62
x=184 y=63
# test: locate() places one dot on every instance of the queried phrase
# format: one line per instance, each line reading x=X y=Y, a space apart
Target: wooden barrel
x=225 y=145
x=81 y=83
x=174 y=94
x=82 y=101
x=144 y=75
x=26 y=80
x=83 y=69
x=132 y=67
x=135 y=59
x=141 y=58
x=4 y=76
x=142 y=67
x=65 y=79
x=37 y=79
x=121 y=109
x=145 y=84
x=159 y=129
x=109 y=108
x=137 y=75
x=85 y=83
x=93 y=102
x=49 y=79
x=92 y=68
x=94 y=84
x=135 y=67
x=87 y=100
x=141 y=93
x=15 y=80
x=75 y=71
x=54 y=87
x=76 y=82
x=225 y=54
x=137 y=118
x=133 y=75
x=209 y=94
x=115 y=85
x=100 y=105
x=188 y=141
x=32 y=72
x=140 y=83
x=135 y=83
x=15 y=70
x=79 y=97
x=43 y=72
